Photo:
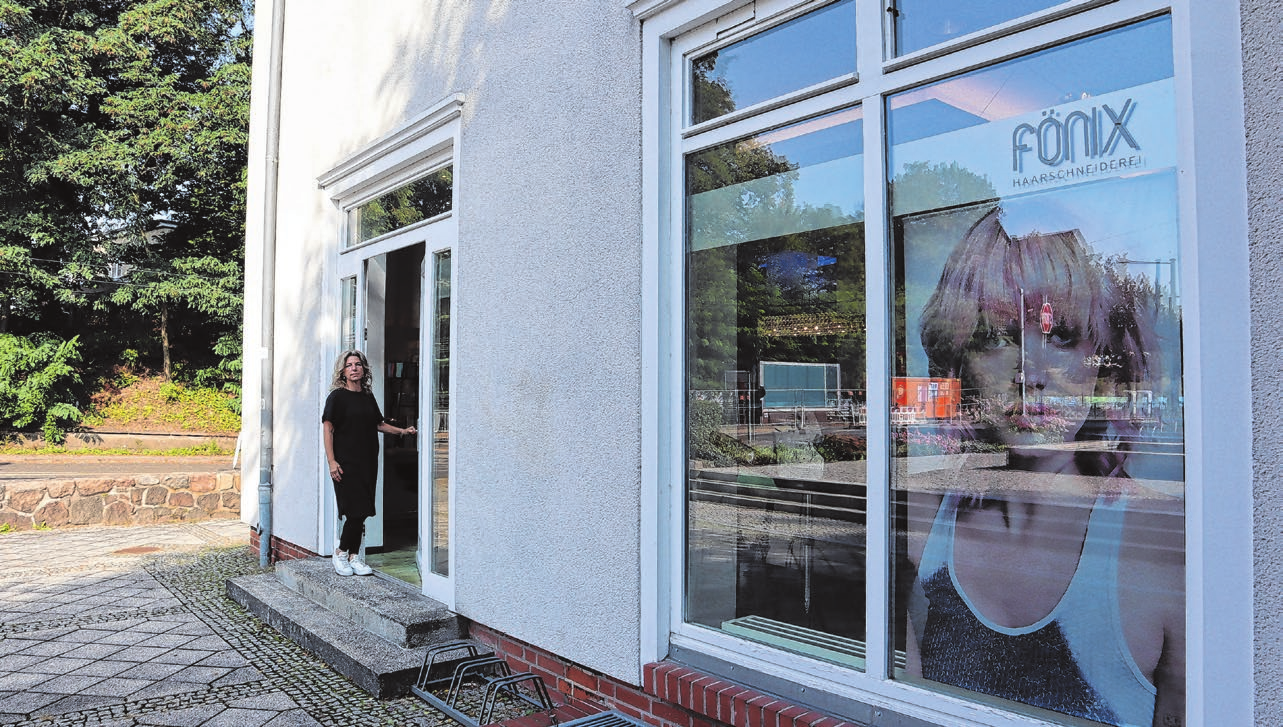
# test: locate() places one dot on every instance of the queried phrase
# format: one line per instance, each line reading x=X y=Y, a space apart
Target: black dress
x=356 y=417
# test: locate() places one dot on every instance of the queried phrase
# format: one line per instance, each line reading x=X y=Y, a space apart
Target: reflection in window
x=753 y=70
x=923 y=23
x=1038 y=471
x=775 y=365
x=439 y=539
x=419 y=200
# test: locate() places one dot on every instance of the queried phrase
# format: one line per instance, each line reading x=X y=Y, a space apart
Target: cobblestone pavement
x=130 y=626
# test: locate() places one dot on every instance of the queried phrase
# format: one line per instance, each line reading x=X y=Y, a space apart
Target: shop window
x=945 y=465
x=920 y=24
x=775 y=365
x=1040 y=528
x=749 y=72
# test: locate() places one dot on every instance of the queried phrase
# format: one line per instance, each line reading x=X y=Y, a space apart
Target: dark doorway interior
x=400 y=506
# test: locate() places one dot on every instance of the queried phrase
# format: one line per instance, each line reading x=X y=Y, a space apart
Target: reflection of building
x=609 y=185
x=930 y=398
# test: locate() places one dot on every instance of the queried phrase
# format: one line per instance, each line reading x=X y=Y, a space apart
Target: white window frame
x=421 y=146
x=1213 y=206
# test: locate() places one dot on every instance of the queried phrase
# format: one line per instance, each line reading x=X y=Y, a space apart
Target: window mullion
x=869 y=45
x=877 y=342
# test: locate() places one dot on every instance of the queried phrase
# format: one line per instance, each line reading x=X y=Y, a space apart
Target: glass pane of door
x=439 y=383
x=393 y=299
x=347 y=323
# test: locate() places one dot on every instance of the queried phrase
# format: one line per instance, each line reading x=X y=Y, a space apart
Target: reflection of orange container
x=931 y=398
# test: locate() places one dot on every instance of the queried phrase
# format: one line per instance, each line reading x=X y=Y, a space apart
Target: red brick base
x=728 y=702
x=281 y=549
x=671 y=696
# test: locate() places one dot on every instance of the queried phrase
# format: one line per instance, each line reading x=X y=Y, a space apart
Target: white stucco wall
x=549 y=319
x=1263 y=81
x=547 y=375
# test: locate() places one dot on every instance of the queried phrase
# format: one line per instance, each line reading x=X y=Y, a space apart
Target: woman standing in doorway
x=350 y=423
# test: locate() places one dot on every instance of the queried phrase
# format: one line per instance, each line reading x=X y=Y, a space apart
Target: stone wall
x=122 y=500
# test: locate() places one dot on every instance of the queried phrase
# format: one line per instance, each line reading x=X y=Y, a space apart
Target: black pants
x=350 y=537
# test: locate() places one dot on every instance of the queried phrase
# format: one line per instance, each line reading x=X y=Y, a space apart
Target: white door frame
x=435 y=586
x=422 y=144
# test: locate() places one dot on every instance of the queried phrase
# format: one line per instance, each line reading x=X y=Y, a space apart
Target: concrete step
x=383 y=669
x=387 y=608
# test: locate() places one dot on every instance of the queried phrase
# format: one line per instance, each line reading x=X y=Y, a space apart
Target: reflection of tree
x=1141 y=313
x=741 y=281
x=710 y=97
x=926 y=186
x=414 y=202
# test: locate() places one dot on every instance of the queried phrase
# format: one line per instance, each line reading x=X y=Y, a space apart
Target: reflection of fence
x=730 y=400
x=1139 y=408
x=903 y=415
x=793 y=385
x=747 y=406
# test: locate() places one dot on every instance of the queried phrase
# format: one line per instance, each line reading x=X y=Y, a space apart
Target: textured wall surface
x=549 y=338
x=546 y=379
x=1263 y=93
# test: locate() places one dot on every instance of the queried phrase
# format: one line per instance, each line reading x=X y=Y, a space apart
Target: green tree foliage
x=37 y=376
x=756 y=290
x=406 y=205
x=115 y=114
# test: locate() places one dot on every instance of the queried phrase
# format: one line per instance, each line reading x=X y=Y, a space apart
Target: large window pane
x=775 y=367
x=754 y=70
x=419 y=200
x=1038 y=470
x=923 y=23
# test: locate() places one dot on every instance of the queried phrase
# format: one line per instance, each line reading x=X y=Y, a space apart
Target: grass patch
x=132 y=402
x=209 y=449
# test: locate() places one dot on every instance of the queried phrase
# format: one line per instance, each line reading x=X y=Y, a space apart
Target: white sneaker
x=341 y=564
x=358 y=566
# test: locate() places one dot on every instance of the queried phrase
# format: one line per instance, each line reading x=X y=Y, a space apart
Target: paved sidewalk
x=63 y=466
x=130 y=626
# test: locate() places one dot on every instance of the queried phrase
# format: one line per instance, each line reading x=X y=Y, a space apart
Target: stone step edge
x=390 y=610
x=381 y=668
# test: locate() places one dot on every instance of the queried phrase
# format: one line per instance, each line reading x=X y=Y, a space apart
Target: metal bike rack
x=449 y=666
x=510 y=684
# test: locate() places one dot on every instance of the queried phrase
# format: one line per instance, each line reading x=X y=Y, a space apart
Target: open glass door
x=394 y=293
x=437 y=462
